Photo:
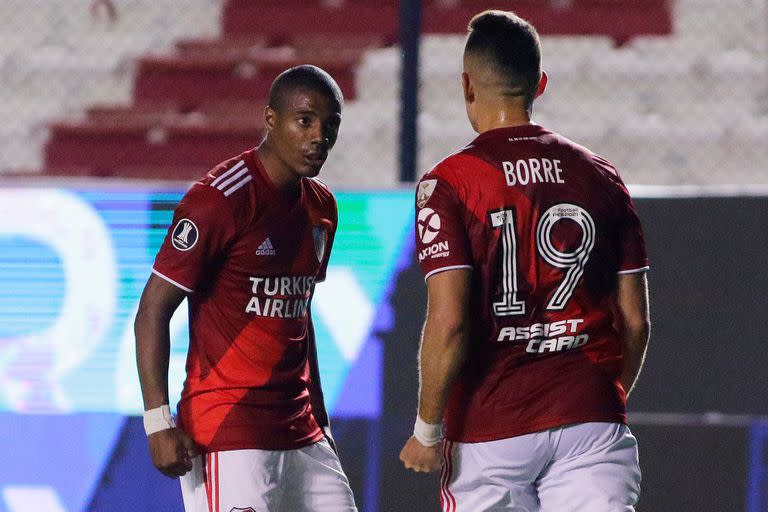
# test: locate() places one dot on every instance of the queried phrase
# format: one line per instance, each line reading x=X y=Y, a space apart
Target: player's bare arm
x=443 y=349
x=634 y=311
x=171 y=449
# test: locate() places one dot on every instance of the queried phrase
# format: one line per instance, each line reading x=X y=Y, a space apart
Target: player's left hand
x=420 y=458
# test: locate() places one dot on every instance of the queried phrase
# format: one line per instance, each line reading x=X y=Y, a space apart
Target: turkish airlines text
x=280 y=296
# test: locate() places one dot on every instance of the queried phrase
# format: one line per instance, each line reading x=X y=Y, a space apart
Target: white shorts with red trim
x=306 y=479
x=585 y=467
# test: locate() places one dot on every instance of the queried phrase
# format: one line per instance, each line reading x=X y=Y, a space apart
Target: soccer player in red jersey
x=247 y=245
x=537 y=320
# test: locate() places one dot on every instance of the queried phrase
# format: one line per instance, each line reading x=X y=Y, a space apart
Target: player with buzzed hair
x=303 y=77
x=247 y=244
x=537 y=319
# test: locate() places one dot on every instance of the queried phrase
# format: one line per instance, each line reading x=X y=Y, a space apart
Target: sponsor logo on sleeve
x=435 y=251
x=428 y=223
x=185 y=235
x=424 y=192
x=320 y=238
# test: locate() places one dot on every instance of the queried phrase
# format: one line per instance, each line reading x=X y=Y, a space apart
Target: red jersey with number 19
x=546 y=226
x=249 y=257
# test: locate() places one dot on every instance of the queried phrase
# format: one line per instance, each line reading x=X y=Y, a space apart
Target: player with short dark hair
x=537 y=318
x=511 y=45
x=303 y=77
x=247 y=245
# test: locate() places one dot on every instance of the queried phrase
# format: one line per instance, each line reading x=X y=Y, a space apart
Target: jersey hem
x=443 y=269
x=538 y=427
x=226 y=447
x=181 y=286
x=634 y=270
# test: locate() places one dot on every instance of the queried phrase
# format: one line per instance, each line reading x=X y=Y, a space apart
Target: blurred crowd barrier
x=164 y=89
x=689 y=107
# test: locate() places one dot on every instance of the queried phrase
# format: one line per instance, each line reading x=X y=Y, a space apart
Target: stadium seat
x=230 y=47
x=621 y=20
x=190 y=81
x=621 y=81
x=244 y=17
x=105 y=149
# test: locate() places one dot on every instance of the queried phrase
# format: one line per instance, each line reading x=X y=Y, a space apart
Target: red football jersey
x=249 y=257
x=545 y=225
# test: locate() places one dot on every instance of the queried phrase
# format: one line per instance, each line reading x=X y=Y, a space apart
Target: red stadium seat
x=105 y=149
x=227 y=46
x=247 y=17
x=620 y=19
x=349 y=46
x=205 y=101
x=162 y=113
x=192 y=81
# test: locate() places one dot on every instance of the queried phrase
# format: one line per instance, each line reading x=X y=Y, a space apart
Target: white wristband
x=427 y=434
x=157 y=419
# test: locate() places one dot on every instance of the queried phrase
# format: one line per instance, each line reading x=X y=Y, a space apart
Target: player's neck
x=492 y=119
x=279 y=173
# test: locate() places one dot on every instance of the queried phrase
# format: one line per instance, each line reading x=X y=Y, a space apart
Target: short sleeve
x=441 y=236
x=202 y=228
x=331 y=235
x=631 y=243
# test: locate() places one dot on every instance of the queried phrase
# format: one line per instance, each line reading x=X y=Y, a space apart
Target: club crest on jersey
x=320 y=238
x=424 y=192
x=428 y=224
x=184 y=236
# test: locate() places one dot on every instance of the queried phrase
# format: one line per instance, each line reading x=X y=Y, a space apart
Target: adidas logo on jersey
x=266 y=248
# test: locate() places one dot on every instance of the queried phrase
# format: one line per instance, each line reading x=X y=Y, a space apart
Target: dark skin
x=172 y=450
x=300 y=133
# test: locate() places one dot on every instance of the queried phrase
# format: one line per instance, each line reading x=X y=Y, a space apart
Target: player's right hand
x=172 y=452
x=420 y=458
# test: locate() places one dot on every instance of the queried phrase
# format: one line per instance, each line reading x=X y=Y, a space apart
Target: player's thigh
x=595 y=468
x=495 y=475
x=316 y=482
x=246 y=480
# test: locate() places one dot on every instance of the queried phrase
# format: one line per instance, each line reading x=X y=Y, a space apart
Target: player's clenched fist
x=172 y=452
x=421 y=458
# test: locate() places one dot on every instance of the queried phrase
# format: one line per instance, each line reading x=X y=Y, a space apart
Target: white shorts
x=587 y=467
x=306 y=479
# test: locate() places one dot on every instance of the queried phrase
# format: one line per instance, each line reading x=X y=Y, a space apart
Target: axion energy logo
x=428 y=224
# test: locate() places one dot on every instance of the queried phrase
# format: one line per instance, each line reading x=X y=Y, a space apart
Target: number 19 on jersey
x=572 y=262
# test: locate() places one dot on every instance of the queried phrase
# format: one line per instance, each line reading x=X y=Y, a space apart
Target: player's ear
x=467 y=87
x=542 y=84
x=269 y=118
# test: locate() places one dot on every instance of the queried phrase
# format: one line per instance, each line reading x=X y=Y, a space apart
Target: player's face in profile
x=304 y=130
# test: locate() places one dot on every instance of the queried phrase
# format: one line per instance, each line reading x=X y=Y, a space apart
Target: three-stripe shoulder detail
x=233 y=179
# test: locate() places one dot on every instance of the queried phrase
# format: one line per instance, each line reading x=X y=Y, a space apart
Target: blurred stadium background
x=111 y=107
